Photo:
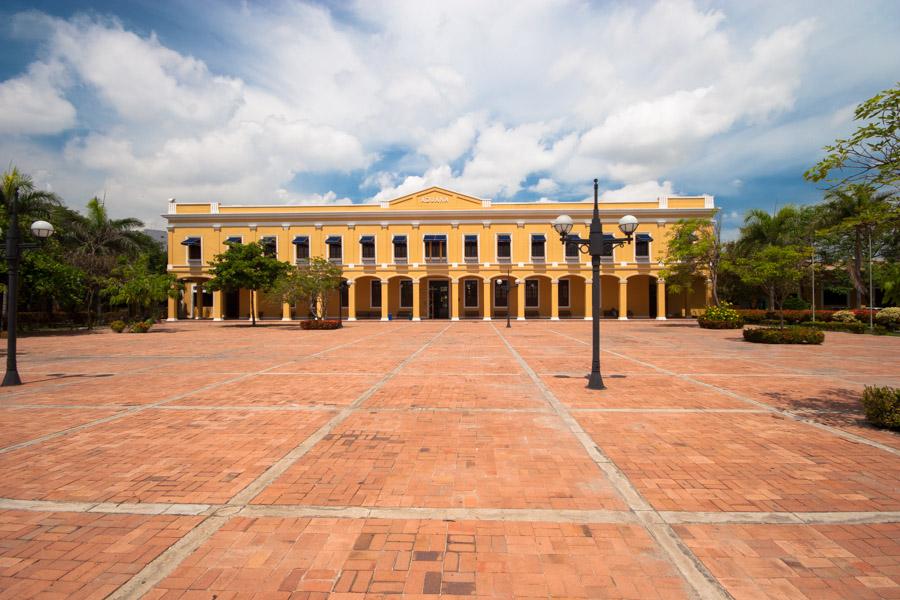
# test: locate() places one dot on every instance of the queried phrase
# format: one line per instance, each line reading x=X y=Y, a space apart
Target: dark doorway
x=232 y=306
x=653 y=307
x=438 y=299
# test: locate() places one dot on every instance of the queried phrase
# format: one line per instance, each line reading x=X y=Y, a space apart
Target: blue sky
x=281 y=102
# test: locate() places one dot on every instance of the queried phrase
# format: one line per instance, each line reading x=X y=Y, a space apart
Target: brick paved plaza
x=463 y=459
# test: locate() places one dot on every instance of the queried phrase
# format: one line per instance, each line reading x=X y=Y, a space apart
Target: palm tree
x=100 y=240
x=849 y=216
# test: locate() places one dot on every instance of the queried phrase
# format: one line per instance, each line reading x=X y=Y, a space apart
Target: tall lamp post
x=41 y=230
x=509 y=288
x=594 y=246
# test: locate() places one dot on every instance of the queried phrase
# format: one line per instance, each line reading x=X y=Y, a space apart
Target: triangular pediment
x=435 y=198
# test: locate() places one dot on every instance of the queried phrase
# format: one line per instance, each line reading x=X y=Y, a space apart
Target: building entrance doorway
x=232 y=301
x=438 y=299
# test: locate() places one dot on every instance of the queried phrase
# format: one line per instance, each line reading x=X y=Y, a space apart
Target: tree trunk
x=771 y=305
x=252 y=309
x=855 y=270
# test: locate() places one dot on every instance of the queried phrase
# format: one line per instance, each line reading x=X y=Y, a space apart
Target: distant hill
x=158 y=235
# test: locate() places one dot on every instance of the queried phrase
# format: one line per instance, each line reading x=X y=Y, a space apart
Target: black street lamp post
x=509 y=288
x=41 y=230
x=594 y=246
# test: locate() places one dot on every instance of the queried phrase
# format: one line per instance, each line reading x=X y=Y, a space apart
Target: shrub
x=889 y=318
x=786 y=335
x=320 y=324
x=844 y=316
x=863 y=313
x=140 y=327
x=752 y=315
x=795 y=303
x=852 y=327
x=882 y=406
x=117 y=326
x=720 y=317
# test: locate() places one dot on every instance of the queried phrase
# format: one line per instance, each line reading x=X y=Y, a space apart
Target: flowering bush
x=889 y=317
x=117 y=326
x=140 y=327
x=844 y=316
x=882 y=406
x=784 y=335
x=720 y=317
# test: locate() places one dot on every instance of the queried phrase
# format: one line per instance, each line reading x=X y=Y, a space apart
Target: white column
x=660 y=299
x=623 y=299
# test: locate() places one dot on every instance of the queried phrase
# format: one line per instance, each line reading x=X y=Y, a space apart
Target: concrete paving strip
x=695 y=574
x=443 y=514
x=135 y=409
x=669 y=410
x=775 y=518
x=767 y=407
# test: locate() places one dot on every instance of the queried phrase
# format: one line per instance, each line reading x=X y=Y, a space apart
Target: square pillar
x=520 y=300
x=172 y=308
x=217 y=305
x=708 y=292
x=486 y=300
x=198 y=288
x=351 y=301
x=454 y=299
x=417 y=309
x=623 y=299
x=285 y=311
x=660 y=299
x=255 y=304
x=589 y=300
x=554 y=300
x=385 y=305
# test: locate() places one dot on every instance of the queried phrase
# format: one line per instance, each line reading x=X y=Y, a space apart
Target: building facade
x=438 y=254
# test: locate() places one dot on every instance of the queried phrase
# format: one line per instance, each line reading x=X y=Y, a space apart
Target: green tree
x=848 y=218
x=871 y=156
x=310 y=283
x=775 y=269
x=33 y=203
x=245 y=266
x=136 y=285
x=695 y=247
x=48 y=281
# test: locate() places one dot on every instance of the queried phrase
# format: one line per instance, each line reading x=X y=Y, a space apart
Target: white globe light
x=42 y=229
x=628 y=224
x=563 y=224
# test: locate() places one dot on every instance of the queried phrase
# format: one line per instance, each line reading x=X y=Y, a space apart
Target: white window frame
x=297 y=260
x=477 y=258
x=572 y=259
x=540 y=259
x=394 y=248
x=478 y=284
x=504 y=259
x=328 y=249
x=367 y=261
x=187 y=251
x=508 y=290
x=372 y=283
x=400 y=290
x=568 y=283
x=436 y=261
x=525 y=283
x=649 y=248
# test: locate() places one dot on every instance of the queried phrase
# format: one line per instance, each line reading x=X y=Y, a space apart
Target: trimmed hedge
x=856 y=327
x=787 y=335
x=882 y=406
x=320 y=324
x=755 y=316
x=719 y=324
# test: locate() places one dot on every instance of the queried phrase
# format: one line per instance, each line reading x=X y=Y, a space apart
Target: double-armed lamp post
x=594 y=246
x=41 y=230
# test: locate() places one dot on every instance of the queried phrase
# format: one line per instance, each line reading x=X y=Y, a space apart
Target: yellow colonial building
x=438 y=254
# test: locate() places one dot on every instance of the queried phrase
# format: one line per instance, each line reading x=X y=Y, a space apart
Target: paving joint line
x=692 y=570
x=800 y=418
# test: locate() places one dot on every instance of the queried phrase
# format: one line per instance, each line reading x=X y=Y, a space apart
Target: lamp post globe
x=563 y=225
x=628 y=224
x=41 y=229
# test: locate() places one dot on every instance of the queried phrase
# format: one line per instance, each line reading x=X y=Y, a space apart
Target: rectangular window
x=538 y=243
x=532 y=298
x=406 y=293
x=501 y=293
x=194 y=249
x=367 y=245
x=642 y=246
x=301 y=248
x=269 y=245
x=376 y=293
x=234 y=239
x=335 y=248
x=470 y=248
x=564 y=293
x=572 y=251
x=470 y=293
x=435 y=248
x=401 y=250
x=504 y=247
x=607 y=254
